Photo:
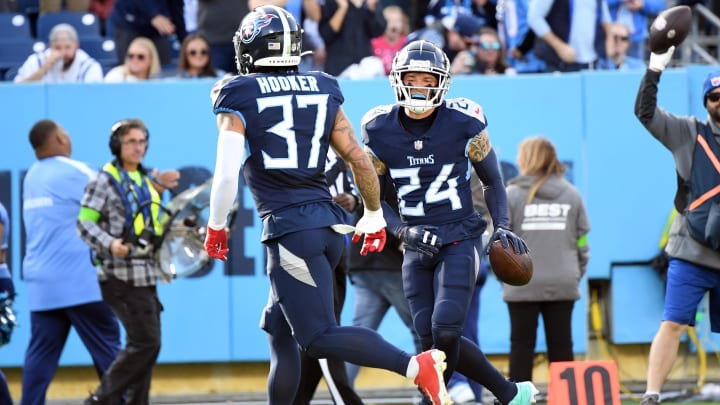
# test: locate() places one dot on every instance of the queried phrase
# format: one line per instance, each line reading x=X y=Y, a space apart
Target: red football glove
x=216 y=243
x=372 y=225
x=373 y=242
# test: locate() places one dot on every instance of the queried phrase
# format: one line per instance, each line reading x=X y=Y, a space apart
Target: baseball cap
x=463 y=24
x=712 y=82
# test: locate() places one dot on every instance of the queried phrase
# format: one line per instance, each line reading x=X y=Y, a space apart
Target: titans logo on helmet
x=250 y=30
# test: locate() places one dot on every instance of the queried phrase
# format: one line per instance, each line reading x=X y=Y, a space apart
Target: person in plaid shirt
x=119 y=219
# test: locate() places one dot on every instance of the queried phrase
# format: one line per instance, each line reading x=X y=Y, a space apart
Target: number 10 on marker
x=584 y=383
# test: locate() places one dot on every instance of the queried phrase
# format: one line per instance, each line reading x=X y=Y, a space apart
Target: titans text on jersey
x=431 y=171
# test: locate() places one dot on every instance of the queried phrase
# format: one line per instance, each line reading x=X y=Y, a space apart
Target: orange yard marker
x=584 y=383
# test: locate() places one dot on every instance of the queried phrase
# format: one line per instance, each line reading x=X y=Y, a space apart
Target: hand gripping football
x=509 y=267
x=670 y=28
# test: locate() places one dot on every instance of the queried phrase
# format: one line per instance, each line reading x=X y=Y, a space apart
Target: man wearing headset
x=120 y=218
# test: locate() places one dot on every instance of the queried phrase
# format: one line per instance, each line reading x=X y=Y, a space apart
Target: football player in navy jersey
x=428 y=146
x=277 y=124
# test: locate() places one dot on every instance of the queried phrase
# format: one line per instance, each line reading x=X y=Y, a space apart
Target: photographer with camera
x=121 y=219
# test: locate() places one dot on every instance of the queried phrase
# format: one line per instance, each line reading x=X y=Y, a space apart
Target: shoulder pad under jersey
x=215 y=92
x=371 y=114
x=467 y=107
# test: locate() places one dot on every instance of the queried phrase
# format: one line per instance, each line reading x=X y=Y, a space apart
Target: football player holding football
x=427 y=145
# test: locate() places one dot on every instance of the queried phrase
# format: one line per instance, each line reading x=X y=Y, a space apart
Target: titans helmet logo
x=250 y=30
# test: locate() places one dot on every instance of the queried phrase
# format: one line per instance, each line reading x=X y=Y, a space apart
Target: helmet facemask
x=419 y=99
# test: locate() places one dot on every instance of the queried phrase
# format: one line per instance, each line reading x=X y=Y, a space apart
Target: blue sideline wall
x=626 y=177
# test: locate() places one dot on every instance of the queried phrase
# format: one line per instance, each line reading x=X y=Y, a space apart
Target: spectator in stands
x=141 y=63
x=62 y=62
x=300 y=9
x=481 y=10
x=460 y=33
x=484 y=55
x=161 y=21
x=386 y=46
x=102 y=9
x=619 y=59
x=570 y=37
x=519 y=39
x=195 y=60
x=452 y=34
x=190 y=15
x=218 y=21
x=346 y=27
x=51 y=6
x=417 y=10
x=634 y=14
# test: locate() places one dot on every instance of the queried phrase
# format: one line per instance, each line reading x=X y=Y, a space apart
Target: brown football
x=509 y=267
x=669 y=28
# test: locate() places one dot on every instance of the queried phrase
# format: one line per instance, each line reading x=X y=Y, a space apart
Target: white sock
x=651 y=393
x=412 y=369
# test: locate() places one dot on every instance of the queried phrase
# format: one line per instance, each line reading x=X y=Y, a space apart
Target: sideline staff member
x=120 y=220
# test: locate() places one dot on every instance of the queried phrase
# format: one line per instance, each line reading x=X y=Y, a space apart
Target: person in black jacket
x=346 y=27
x=161 y=21
x=218 y=21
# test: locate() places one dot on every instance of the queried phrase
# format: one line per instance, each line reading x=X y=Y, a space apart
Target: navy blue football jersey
x=431 y=172
x=288 y=119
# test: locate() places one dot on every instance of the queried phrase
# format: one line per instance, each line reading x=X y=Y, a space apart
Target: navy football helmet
x=420 y=56
x=268 y=36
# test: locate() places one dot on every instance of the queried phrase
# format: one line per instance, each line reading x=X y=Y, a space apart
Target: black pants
x=138 y=309
x=557 y=318
x=310 y=368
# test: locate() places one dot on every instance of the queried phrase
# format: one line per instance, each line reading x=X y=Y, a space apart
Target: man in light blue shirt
x=62 y=285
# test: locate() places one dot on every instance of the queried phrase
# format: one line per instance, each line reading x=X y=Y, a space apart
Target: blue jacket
x=650 y=8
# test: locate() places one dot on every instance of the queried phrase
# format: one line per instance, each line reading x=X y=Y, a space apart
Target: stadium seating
x=101 y=49
x=13 y=26
x=86 y=24
x=13 y=54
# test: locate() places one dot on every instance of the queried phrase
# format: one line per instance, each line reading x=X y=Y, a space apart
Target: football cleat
x=430 y=378
x=525 y=395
